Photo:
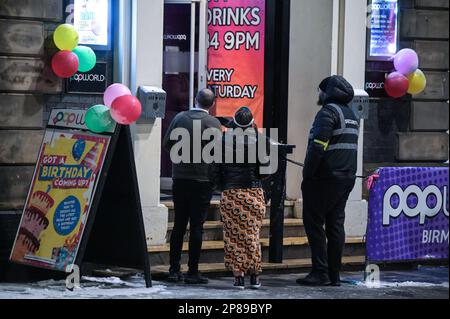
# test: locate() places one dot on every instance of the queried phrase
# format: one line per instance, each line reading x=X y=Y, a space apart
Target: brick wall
x=28 y=92
x=412 y=130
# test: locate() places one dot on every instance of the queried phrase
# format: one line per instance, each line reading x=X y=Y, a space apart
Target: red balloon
x=396 y=85
x=126 y=109
x=65 y=64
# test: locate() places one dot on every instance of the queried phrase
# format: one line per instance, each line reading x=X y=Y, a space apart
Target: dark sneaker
x=335 y=284
x=255 y=283
x=335 y=279
x=315 y=279
x=239 y=283
x=175 y=277
x=196 y=279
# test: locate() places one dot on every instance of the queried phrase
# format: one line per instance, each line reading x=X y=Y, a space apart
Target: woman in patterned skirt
x=243 y=204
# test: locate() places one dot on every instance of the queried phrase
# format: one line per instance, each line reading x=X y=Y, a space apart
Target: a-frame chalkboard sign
x=84 y=204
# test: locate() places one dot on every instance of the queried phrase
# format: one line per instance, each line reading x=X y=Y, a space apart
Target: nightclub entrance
x=185 y=62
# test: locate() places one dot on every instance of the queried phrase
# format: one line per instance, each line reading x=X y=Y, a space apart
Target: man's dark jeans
x=324 y=203
x=192 y=200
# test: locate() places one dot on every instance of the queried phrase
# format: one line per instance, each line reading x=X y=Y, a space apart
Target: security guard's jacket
x=333 y=142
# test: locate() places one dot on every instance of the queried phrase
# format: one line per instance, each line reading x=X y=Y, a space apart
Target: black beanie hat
x=244 y=117
x=324 y=84
x=337 y=90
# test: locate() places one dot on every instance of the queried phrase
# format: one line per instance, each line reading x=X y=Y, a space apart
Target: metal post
x=123 y=43
x=277 y=66
x=192 y=57
x=203 y=45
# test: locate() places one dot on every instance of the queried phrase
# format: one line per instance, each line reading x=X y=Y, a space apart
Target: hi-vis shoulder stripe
x=343 y=146
x=344 y=122
x=347 y=131
x=341 y=116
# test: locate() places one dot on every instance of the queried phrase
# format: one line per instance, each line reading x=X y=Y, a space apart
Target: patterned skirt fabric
x=243 y=212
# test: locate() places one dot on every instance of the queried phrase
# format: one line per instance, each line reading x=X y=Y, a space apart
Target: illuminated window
x=383 y=29
x=92 y=21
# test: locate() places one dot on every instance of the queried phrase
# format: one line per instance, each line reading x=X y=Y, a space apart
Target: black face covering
x=319 y=102
x=322 y=98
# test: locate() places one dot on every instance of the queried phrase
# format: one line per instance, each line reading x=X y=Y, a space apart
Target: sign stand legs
x=116 y=234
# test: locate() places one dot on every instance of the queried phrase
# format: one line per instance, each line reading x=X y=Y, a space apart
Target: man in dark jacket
x=328 y=179
x=192 y=188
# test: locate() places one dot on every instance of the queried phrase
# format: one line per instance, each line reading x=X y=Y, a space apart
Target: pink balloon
x=113 y=92
x=396 y=85
x=406 y=61
x=126 y=109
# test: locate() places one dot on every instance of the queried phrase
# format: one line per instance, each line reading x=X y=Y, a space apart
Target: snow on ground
x=91 y=288
x=423 y=283
x=410 y=284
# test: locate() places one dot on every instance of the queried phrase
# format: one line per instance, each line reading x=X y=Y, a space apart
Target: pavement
x=423 y=283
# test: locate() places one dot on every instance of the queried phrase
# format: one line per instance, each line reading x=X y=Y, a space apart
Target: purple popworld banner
x=408 y=215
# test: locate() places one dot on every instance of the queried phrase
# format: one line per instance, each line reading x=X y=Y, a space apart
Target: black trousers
x=324 y=203
x=192 y=200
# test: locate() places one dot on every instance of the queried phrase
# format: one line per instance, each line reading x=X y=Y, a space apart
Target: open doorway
x=185 y=65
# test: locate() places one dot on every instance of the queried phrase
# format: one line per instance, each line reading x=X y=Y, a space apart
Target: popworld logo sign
x=88 y=77
x=179 y=37
x=373 y=8
x=422 y=208
x=68 y=118
x=374 y=85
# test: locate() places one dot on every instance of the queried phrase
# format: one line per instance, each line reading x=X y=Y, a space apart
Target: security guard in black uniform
x=328 y=179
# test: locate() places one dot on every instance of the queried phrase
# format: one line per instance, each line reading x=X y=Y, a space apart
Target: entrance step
x=290 y=210
x=289 y=265
x=213 y=251
x=213 y=230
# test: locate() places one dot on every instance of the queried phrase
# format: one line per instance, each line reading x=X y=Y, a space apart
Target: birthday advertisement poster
x=58 y=204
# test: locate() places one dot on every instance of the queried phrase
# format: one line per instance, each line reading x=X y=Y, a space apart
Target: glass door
x=185 y=63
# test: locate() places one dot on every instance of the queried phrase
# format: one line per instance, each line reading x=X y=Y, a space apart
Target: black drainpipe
x=276 y=110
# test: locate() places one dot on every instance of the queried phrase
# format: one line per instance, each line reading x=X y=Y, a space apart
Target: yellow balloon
x=417 y=82
x=66 y=37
